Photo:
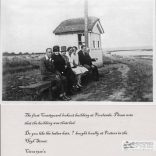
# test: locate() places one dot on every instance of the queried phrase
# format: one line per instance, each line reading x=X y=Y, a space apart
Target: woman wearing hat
x=60 y=66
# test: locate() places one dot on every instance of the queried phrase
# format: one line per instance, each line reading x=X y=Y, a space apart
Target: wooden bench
x=34 y=91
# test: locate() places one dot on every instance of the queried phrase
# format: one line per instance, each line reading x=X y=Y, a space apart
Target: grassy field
x=121 y=78
x=19 y=70
x=20 y=63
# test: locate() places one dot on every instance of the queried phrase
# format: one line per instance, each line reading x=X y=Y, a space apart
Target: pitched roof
x=75 y=25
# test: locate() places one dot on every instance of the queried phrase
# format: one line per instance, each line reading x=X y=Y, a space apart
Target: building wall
x=72 y=40
x=98 y=54
x=67 y=40
x=94 y=39
x=97 y=51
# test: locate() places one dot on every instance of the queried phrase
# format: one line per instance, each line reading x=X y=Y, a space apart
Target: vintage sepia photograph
x=77 y=50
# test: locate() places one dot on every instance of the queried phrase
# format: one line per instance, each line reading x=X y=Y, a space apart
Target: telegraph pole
x=86 y=22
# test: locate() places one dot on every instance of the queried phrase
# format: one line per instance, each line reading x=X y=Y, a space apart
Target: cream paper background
x=141 y=127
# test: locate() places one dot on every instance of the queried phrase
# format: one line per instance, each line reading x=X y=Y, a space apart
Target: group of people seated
x=65 y=68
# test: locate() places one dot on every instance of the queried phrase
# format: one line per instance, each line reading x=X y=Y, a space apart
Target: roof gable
x=98 y=28
x=75 y=25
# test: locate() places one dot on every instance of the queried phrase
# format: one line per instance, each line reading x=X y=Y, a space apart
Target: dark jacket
x=47 y=69
x=65 y=57
x=84 y=58
x=59 y=63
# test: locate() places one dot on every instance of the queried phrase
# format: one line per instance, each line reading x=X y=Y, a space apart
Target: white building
x=71 y=33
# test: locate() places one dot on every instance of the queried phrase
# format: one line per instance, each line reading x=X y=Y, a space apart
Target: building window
x=98 y=44
x=93 y=44
x=80 y=40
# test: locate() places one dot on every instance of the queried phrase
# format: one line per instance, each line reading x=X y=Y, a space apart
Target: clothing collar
x=47 y=58
x=83 y=52
x=67 y=54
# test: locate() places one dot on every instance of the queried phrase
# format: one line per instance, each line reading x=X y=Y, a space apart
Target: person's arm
x=93 y=59
x=74 y=64
x=78 y=60
x=68 y=63
x=58 y=74
x=63 y=61
x=81 y=60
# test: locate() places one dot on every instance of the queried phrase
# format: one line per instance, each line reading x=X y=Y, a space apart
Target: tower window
x=93 y=44
x=98 y=44
x=80 y=39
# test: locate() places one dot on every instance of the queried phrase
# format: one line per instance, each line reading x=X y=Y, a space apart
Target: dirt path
x=111 y=87
x=122 y=79
x=120 y=95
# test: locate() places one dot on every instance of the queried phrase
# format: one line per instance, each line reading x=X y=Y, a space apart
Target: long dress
x=75 y=60
x=75 y=69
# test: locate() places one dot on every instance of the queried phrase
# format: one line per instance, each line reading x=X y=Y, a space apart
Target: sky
x=27 y=25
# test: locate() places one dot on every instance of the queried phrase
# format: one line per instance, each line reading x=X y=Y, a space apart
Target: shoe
x=80 y=85
x=67 y=98
x=77 y=87
x=63 y=98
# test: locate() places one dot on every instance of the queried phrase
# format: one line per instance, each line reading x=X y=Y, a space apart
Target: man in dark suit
x=49 y=72
x=86 y=61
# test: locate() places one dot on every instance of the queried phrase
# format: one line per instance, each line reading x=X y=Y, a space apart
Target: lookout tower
x=71 y=33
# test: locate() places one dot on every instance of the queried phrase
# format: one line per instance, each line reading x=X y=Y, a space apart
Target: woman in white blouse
x=73 y=60
x=76 y=61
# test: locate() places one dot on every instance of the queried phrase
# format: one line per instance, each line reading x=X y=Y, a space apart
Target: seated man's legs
x=87 y=66
x=64 y=86
x=57 y=82
x=61 y=84
x=71 y=80
x=95 y=72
